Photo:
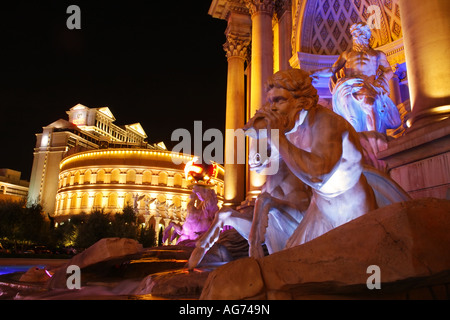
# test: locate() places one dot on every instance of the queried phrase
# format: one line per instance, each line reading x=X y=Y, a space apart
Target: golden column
x=238 y=40
x=283 y=10
x=426 y=30
x=261 y=68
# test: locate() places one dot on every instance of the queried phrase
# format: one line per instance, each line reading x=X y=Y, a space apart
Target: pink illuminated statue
x=202 y=205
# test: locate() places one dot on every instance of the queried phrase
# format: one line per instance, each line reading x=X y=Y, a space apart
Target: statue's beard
x=360 y=44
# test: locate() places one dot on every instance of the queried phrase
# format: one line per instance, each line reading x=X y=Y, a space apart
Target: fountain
x=327 y=221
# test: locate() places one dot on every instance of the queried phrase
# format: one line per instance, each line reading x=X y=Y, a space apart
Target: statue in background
x=359 y=82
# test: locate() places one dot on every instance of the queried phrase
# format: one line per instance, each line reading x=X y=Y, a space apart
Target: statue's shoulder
x=378 y=53
x=320 y=114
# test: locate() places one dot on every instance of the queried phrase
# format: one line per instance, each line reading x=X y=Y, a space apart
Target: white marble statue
x=359 y=82
x=321 y=182
x=284 y=199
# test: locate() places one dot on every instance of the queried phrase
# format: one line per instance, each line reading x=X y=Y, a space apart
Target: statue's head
x=361 y=33
x=289 y=92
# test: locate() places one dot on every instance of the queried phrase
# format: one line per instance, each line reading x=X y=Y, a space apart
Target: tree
x=124 y=225
x=96 y=227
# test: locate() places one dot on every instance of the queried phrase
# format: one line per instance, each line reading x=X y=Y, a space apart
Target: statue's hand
x=315 y=79
x=275 y=120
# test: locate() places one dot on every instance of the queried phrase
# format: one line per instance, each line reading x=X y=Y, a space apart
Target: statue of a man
x=321 y=149
x=360 y=85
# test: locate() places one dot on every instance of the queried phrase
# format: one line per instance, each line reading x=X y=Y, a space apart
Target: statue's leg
x=283 y=221
x=166 y=233
x=259 y=225
x=226 y=216
x=274 y=221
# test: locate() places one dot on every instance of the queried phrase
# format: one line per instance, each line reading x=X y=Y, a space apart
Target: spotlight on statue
x=200 y=174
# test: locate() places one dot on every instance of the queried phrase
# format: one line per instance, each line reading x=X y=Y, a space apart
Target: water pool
x=17 y=268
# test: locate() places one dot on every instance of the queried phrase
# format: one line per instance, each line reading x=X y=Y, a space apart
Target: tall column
x=236 y=47
x=261 y=68
x=284 y=12
x=426 y=34
x=394 y=89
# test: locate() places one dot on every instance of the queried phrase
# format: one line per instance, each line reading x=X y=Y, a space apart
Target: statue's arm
x=329 y=72
x=386 y=72
x=316 y=167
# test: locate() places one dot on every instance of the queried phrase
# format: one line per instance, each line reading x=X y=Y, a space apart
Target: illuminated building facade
x=265 y=36
x=110 y=179
x=89 y=163
x=11 y=186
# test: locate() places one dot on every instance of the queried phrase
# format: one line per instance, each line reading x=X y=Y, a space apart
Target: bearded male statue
x=359 y=82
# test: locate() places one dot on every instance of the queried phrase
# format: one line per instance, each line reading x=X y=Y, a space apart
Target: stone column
x=394 y=88
x=234 y=179
x=284 y=14
x=261 y=68
x=426 y=30
x=419 y=160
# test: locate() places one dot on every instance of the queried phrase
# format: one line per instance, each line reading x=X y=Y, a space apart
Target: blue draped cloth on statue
x=355 y=98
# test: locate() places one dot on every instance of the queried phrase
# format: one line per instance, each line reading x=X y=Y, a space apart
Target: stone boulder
x=408 y=241
x=35 y=274
x=179 y=284
x=107 y=249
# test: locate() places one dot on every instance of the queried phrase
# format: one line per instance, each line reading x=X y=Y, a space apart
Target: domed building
x=89 y=163
x=110 y=179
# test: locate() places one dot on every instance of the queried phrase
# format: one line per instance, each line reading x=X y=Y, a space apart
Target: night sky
x=159 y=63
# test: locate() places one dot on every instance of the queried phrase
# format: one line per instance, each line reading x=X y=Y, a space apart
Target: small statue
x=202 y=205
x=360 y=85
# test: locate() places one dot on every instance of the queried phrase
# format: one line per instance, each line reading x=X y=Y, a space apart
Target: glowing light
x=188 y=166
x=44 y=141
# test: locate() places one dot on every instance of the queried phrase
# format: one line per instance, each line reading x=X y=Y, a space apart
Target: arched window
x=87 y=177
x=176 y=201
x=161 y=198
x=65 y=202
x=131 y=176
x=73 y=201
x=98 y=200
x=162 y=178
x=115 y=176
x=76 y=179
x=112 y=200
x=178 y=180
x=128 y=199
x=147 y=177
x=85 y=200
x=101 y=176
x=61 y=203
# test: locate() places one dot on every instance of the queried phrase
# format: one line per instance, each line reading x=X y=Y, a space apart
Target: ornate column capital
x=237 y=46
x=282 y=6
x=260 y=6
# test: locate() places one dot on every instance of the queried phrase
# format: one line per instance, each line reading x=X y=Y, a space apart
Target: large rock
x=408 y=241
x=177 y=284
x=106 y=249
x=35 y=274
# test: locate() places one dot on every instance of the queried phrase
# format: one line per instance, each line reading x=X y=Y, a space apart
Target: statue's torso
x=361 y=64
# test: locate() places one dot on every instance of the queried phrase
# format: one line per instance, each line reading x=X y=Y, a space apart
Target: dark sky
x=159 y=63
